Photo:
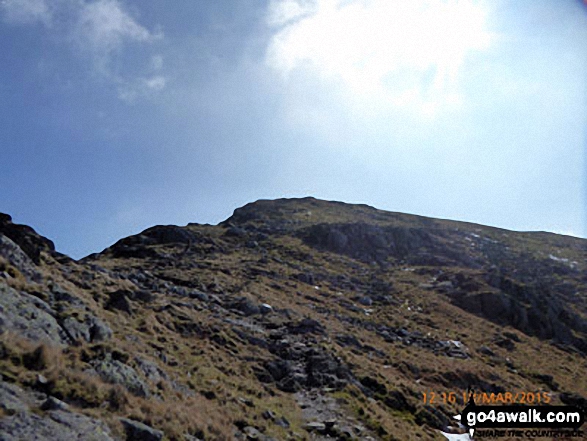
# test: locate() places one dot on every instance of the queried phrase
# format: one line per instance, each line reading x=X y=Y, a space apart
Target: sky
x=117 y=115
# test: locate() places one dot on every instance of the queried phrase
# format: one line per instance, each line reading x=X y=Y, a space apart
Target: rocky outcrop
x=17 y=258
x=528 y=308
x=116 y=372
x=31 y=243
x=137 y=431
x=24 y=419
x=29 y=316
x=373 y=243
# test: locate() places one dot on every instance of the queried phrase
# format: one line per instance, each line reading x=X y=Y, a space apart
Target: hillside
x=292 y=319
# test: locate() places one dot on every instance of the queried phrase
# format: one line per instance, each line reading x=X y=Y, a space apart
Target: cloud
x=406 y=54
x=99 y=30
x=104 y=27
x=130 y=91
x=26 y=11
x=281 y=12
x=156 y=62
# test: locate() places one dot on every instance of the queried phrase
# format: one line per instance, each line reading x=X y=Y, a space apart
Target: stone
x=53 y=403
x=92 y=329
x=269 y=415
x=315 y=426
x=307 y=326
x=202 y=296
x=76 y=330
x=246 y=306
x=137 y=431
x=19 y=259
x=29 y=317
x=116 y=372
x=252 y=433
x=282 y=422
x=99 y=330
x=265 y=308
x=365 y=301
x=27 y=239
x=118 y=300
x=485 y=351
x=150 y=370
x=21 y=423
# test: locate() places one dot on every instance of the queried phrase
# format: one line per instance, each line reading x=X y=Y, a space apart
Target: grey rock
x=486 y=351
x=27 y=239
x=315 y=426
x=150 y=370
x=116 y=372
x=92 y=329
x=99 y=331
x=279 y=369
x=118 y=300
x=76 y=330
x=18 y=258
x=21 y=423
x=62 y=299
x=29 y=317
x=265 y=308
x=246 y=306
x=282 y=422
x=269 y=415
x=13 y=399
x=306 y=326
x=202 y=296
x=252 y=433
x=365 y=301
x=136 y=431
x=57 y=426
x=53 y=403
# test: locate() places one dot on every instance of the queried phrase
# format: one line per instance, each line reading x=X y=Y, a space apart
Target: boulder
x=116 y=372
x=137 y=431
x=91 y=329
x=246 y=306
x=118 y=300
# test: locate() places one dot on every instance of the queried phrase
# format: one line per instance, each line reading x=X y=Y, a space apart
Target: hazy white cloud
x=404 y=53
x=103 y=26
x=26 y=11
x=98 y=29
x=157 y=62
x=130 y=91
x=282 y=12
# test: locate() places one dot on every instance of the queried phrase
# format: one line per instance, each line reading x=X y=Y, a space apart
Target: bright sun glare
x=407 y=53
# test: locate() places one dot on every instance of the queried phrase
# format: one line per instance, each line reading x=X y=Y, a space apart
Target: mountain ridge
x=291 y=319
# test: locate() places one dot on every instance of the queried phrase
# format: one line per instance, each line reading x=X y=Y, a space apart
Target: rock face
x=369 y=242
x=56 y=424
x=293 y=319
x=25 y=237
x=12 y=253
x=29 y=316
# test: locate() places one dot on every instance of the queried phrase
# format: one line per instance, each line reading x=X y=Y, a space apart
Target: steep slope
x=293 y=319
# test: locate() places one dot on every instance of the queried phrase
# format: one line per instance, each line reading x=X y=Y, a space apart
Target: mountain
x=292 y=319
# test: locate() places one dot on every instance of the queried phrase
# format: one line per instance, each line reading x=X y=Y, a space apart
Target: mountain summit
x=292 y=319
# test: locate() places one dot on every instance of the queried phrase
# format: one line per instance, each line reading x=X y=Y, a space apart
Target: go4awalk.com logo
x=519 y=421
